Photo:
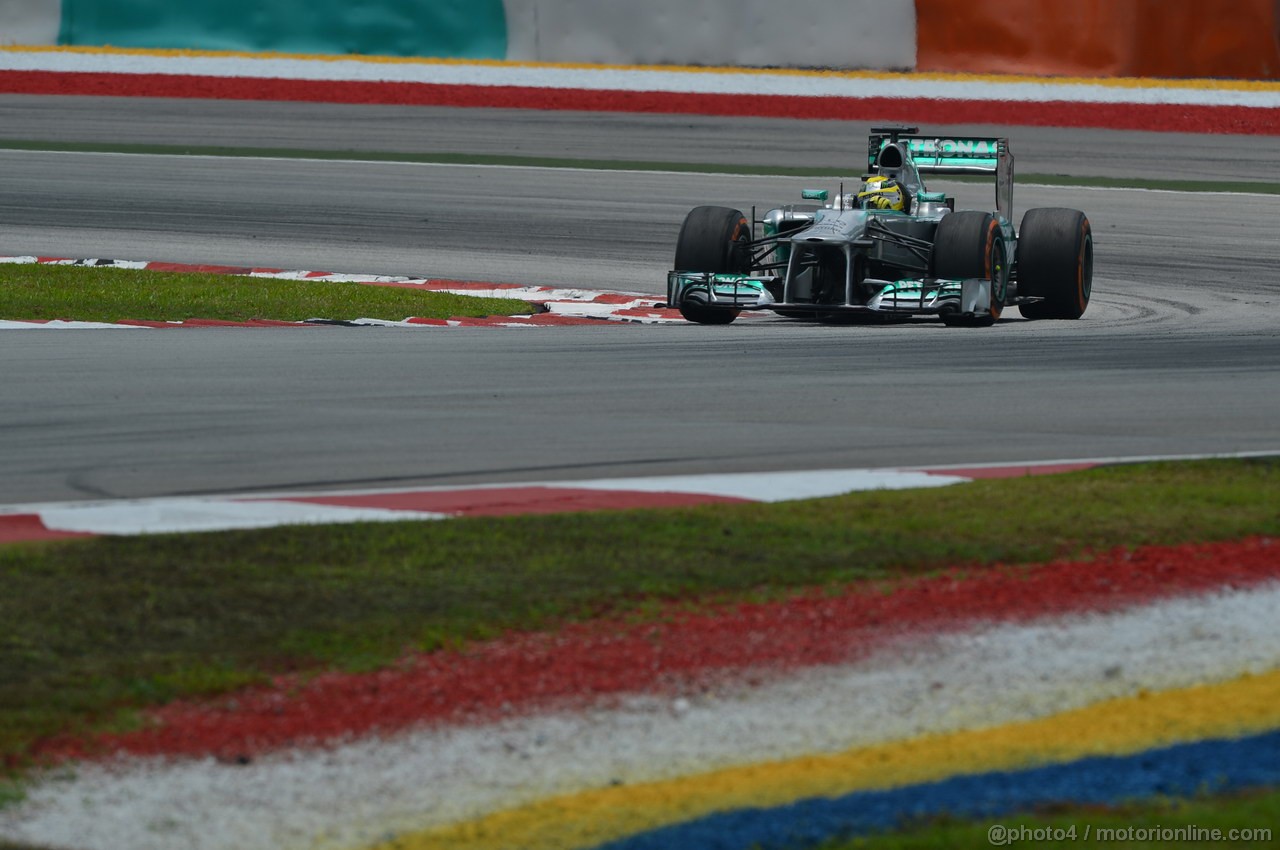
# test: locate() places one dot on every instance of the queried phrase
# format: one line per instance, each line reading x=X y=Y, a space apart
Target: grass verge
x=98 y=627
x=89 y=294
x=450 y=158
x=1079 y=827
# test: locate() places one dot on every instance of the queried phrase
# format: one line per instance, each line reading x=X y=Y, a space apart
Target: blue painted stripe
x=1180 y=771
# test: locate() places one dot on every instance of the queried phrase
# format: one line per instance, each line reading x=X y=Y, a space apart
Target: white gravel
x=708 y=81
x=366 y=790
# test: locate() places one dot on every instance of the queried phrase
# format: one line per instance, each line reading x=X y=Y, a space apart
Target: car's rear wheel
x=969 y=244
x=712 y=239
x=1055 y=263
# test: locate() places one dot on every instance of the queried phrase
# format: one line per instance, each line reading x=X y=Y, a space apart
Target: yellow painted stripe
x=1245 y=706
x=1110 y=82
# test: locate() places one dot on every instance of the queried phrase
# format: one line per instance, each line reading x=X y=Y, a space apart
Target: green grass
x=89 y=294
x=1252 y=811
x=96 y=627
x=451 y=158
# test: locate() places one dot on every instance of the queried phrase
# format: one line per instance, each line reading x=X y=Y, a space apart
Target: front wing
x=907 y=297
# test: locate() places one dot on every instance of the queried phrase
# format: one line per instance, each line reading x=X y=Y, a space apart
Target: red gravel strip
x=444 y=283
x=434 y=284
x=613 y=298
x=586 y=662
x=199 y=269
x=538 y=320
x=1119 y=116
x=648 y=313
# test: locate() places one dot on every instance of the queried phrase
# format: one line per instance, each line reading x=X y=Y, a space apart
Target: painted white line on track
x=61 y=324
x=268 y=509
x=265 y=510
x=777 y=486
x=188 y=514
x=161 y=516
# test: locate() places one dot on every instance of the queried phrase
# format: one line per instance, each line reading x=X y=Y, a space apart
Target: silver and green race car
x=833 y=261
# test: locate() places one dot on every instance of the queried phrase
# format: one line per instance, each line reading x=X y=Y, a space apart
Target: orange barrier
x=1094 y=38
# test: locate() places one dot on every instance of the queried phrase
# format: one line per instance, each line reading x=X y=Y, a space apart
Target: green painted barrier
x=473 y=29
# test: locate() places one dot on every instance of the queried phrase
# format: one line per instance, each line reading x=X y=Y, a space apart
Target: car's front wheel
x=712 y=239
x=1055 y=263
x=967 y=245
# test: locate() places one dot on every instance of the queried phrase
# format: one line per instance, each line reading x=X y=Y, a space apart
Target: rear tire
x=967 y=245
x=1055 y=262
x=712 y=239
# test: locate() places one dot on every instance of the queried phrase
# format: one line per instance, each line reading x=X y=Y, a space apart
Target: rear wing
x=951 y=155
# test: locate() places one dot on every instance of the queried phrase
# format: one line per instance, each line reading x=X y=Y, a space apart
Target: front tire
x=969 y=244
x=1055 y=262
x=713 y=239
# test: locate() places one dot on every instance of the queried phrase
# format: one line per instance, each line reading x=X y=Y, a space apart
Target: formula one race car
x=893 y=249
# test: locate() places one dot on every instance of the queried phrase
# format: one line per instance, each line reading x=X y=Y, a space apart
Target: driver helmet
x=882 y=193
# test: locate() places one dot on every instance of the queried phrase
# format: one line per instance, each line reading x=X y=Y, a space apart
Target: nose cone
x=837 y=227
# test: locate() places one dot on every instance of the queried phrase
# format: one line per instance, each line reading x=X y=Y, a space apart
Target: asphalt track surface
x=1179 y=352
x=611 y=135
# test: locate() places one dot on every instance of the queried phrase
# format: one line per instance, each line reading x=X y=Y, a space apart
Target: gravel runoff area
x=926 y=680
x=780 y=82
x=1209 y=106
